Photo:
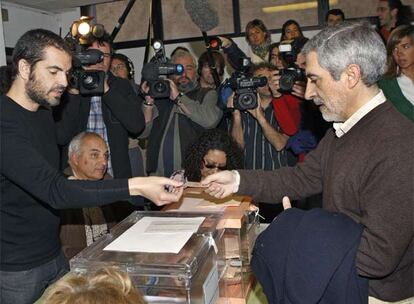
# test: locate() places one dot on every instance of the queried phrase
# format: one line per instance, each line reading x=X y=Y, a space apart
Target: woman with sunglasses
x=213 y=151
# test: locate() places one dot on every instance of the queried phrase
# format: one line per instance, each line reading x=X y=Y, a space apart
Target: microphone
x=201 y=14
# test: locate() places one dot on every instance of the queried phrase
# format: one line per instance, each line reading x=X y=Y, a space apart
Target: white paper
x=157 y=234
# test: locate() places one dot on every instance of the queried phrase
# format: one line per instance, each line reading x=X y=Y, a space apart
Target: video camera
x=289 y=52
x=154 y=72
x=245 y=87
x=88 y=82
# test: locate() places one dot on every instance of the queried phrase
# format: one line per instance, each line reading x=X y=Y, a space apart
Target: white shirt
x=407 y=87
x=341 y=128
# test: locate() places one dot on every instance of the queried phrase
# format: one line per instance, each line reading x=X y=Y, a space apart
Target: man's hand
x=145 y=89
x=221 y=184
x=299 y=89
x=154 y=189
x=274 y=84
x=257 y=112
x=173 y=90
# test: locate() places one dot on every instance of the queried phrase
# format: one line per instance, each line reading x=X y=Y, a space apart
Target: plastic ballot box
x=170 y=257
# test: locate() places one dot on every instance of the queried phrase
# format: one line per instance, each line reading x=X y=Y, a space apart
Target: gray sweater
x=366 y=174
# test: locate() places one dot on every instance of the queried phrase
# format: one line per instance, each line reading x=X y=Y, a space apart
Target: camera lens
x=287 y=80
x=90 y=80
x=246 y=100
x=160 y=87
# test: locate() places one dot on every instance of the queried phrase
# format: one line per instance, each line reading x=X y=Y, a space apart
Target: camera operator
x=182 y=117
x=258 y=131
x=113 y=115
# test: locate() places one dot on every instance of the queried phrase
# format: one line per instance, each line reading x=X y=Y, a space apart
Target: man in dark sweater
x=31 y=186
x=364 y=167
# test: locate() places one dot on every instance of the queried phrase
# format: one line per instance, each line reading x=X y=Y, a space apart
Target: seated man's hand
x=155 y=189
x=221 y=184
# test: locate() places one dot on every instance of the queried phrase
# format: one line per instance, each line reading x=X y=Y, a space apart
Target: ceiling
x=54 y=5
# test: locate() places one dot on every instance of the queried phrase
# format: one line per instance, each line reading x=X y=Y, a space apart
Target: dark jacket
x=309 y=257
x=122 y=114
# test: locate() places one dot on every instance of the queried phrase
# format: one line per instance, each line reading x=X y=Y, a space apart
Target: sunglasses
x=214 y=166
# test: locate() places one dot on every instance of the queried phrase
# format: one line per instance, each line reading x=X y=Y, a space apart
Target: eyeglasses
x=214 y=166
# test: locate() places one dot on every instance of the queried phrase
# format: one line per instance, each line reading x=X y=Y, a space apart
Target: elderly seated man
x=88 y=160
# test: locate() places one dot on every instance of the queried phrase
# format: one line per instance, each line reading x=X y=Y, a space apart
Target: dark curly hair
x=213 y=139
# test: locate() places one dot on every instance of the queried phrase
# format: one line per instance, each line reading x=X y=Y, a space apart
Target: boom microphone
x=202 y=14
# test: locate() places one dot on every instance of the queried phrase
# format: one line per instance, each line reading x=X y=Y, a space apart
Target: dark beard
x=36 y=94
x=185 y=88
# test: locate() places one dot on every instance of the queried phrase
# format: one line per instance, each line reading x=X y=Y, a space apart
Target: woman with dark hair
x=291 y=30
x=398 y=81
x=275 y=57
x=213 y=151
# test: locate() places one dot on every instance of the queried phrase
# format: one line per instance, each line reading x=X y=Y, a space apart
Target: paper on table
x=157 y=234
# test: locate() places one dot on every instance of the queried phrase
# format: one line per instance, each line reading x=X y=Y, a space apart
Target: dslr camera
x=289 y=52
x=155 y=71
x=88 y=82
x=245 y=87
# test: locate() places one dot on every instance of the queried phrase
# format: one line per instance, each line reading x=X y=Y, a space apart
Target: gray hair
x=181 y=53
x=349 y=43
x=75 y=143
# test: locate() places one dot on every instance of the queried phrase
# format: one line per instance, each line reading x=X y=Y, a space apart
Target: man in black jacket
x=31 y=186
x=114 y=115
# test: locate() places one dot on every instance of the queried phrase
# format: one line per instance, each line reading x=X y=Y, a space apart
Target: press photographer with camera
x=114 y=113
x=254 y=124
x=183 y=114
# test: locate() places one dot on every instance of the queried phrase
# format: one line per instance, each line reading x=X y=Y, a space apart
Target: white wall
x=22 y=19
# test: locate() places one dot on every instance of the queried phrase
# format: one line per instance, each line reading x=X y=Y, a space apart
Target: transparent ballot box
x=189 y=276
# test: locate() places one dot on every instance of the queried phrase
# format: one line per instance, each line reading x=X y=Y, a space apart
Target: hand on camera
x=173 y=90
x=258 y=111
x=299 y=89
x=145 y=89
x=225 y=42
x=274 y=84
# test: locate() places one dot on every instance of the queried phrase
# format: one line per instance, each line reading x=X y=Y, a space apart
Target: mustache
x=318 y=101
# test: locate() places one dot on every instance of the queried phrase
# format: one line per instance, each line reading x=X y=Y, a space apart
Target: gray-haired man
x=363 y=167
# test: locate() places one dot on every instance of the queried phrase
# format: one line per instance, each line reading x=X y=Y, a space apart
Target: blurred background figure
x=398 y=81
x=204 y=72
x=334 y=16
x=213 y=151
x=105 y=286
x=392 y=13
x=291 y=30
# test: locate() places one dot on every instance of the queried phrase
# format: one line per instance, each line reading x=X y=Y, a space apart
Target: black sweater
x=32 y=188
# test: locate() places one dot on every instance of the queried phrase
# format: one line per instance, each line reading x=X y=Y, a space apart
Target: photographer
x=113 y=115
x=182 y=117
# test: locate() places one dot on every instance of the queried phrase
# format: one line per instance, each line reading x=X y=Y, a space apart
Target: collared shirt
x=342 y=128
x=96 y=124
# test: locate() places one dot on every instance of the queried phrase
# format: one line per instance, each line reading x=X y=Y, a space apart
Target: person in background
x=105 y=286
x=115 y=115
x=258 y=39
x=205 y=75
x=213 y=151
x=275 y=57
x=392 y=13
x=334 y=16
x=122 y=67
x=398 y=80
x=363 y=166
x=291 y=30
x=79 y=228
x=182 y=117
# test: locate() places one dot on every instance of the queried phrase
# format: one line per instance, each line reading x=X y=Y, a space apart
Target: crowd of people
x=339 y=137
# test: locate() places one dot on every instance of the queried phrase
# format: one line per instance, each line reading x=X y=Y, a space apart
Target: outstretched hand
x=154 y=189
x=286 y=203
x=221 y=184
